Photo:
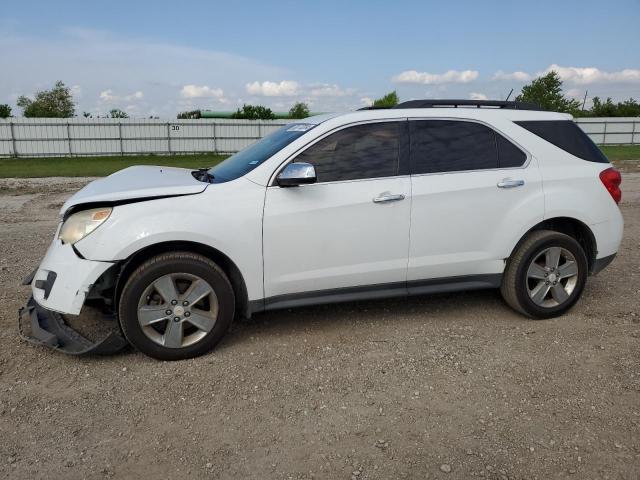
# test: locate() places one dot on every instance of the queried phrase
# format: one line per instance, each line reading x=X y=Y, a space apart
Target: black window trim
x=403 y=160
x=486 y=124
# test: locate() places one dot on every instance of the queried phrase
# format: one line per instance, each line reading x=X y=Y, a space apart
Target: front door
x=347 y=233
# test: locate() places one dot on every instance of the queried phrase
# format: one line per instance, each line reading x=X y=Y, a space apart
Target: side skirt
x=371 y=292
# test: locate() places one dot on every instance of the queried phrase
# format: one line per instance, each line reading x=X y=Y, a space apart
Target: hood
x=138 y=182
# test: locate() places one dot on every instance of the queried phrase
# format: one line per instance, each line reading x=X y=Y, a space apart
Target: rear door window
x=565 y=134
x=439 y=146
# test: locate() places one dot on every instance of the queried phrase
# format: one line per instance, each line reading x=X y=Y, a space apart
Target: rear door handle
x=510 y=183
x=388 y=197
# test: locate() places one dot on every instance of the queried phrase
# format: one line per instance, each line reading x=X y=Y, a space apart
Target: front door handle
x=510 y=183
x=388 y=197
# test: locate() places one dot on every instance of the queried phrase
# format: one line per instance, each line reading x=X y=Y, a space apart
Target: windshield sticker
x=300 y=127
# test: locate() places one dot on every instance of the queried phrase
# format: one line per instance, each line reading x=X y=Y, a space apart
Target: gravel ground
x=443 y=386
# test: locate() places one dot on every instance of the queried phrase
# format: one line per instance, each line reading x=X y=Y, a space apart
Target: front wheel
x=546 y=275
x=176 y=305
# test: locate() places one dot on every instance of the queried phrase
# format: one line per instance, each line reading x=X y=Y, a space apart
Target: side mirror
x=296 y=174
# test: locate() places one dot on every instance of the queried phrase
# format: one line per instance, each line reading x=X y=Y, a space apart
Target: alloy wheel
x=552 y=277
x=178 y=310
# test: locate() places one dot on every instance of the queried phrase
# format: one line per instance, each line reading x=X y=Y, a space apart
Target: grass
x=621 y=152
x=623 y=155
x=625 y=158
x=96 y=166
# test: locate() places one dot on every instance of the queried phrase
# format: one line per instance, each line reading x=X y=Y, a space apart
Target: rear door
x=473 y=192
x=348 y=232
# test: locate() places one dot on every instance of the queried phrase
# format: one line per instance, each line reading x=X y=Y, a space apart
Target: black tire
x=175 y=263
x=514 y=287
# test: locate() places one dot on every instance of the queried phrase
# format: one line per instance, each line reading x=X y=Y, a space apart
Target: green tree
x=628 y=108
x=299 y=110
x=546 y=91
x=117 y=113
x=389 y=100
x=254 y=112
x=5 y=111
x=54 y=103
x=603 y=109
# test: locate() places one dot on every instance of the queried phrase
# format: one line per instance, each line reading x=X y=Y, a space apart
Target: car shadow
x=470 y=306
x=329 y=321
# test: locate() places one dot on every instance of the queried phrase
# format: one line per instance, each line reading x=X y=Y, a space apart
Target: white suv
x=425 y=197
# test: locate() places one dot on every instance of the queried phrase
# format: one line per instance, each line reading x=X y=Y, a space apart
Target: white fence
x=50 y=137
x=612 y=130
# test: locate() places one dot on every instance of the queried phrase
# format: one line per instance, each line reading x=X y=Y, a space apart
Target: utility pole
x=585 y=99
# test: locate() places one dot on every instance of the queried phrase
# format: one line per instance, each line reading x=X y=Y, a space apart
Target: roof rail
x=468 y=103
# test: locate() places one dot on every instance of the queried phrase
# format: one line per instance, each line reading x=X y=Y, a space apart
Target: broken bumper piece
x=49 y=328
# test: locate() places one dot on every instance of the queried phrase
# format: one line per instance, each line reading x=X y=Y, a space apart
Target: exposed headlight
x=81 y=224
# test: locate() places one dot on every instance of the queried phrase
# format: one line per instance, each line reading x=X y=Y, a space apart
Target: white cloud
x=450 y=76
x=107 y=96
x=576 y=75
x=591 y=75
x=366 y=101
x=157 y=68
x=135 y=96
x=201 y=91
x=76 y=91
x=517 y=76
x=327 y=90
x=477 y=96
x=285 y=88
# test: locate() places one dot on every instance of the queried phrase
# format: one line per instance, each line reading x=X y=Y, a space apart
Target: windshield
x=246 y=160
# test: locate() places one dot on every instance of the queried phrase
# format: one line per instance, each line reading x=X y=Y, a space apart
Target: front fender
x=227 y=219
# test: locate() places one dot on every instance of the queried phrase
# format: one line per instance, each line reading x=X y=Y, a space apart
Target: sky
x=157 y=58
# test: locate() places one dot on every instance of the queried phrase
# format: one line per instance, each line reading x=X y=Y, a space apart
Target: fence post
x=259 y=129
x=120 y=138
x=13 y=139
x=69 y=139
x=604 y=134
x=633 y=131
x=169 y=137
x=215 y=138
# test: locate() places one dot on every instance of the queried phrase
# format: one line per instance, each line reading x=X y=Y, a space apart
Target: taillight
x=611 y=180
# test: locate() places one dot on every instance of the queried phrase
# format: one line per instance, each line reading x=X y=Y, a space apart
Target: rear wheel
x=546 y=275
x=176 y=305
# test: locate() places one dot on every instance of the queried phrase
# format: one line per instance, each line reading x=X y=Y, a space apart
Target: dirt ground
x=443 y=386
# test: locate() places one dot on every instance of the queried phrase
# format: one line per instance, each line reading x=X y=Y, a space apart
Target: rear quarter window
x=565 y=134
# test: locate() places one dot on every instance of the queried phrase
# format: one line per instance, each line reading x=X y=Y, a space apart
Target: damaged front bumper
x=60 y=286
x=48 y=328
x=63 y=279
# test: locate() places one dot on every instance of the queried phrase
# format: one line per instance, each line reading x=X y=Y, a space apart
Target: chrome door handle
x=509 y=183
x=388 y=197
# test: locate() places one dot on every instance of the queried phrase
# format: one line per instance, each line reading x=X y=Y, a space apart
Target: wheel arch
x=228 y=266
x=573 y=227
